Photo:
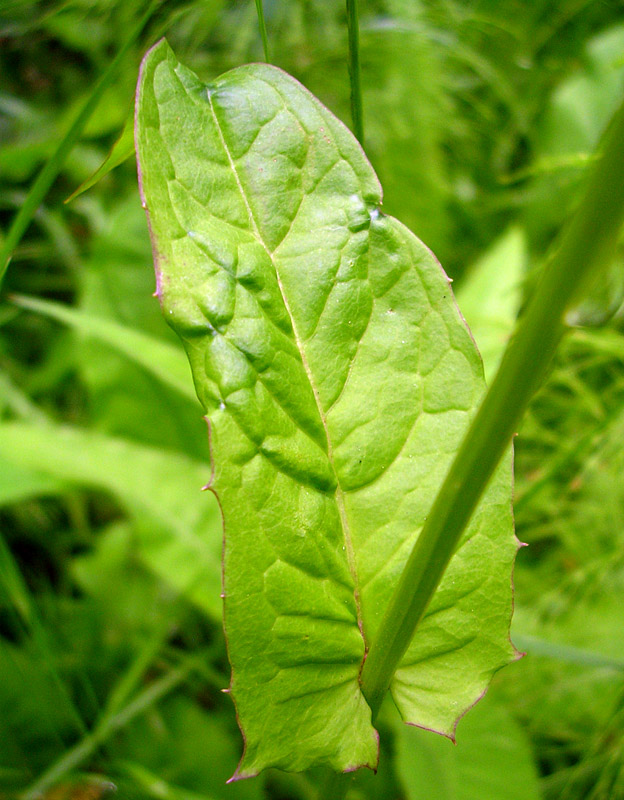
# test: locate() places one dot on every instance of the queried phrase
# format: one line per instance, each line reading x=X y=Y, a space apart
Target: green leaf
x=338 y=378
x=119 y=152
x=176 y=524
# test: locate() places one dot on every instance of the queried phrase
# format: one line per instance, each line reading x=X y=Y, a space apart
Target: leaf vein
x=339 y=491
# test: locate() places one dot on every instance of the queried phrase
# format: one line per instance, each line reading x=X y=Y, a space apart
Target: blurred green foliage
x=480 y=119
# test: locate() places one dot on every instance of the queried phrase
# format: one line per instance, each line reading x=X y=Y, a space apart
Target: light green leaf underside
x=338 y=378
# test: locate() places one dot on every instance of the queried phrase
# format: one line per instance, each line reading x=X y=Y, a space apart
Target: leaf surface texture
x=338 y=378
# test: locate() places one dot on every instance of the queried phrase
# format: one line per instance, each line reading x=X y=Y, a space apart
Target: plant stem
x=263 y=31
x=55 y=163
x=354 y=70
x=586 y=244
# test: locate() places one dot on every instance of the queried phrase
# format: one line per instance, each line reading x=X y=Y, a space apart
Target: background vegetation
x=480 y=118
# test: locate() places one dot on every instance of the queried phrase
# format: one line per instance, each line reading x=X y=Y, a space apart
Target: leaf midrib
x=330 y=456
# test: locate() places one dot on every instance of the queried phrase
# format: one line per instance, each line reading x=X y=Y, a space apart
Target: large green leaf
x=338 y=378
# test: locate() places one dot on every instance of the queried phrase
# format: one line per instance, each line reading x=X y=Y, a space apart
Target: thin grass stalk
x=567 y=653
x=354 y=70
x=263 y=30
x=53 y=166
x=587 y=244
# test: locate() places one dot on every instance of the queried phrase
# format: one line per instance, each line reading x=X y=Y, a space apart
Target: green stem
x=263 y=30
x=354 y=70
x=587 y=243
x=53 y=166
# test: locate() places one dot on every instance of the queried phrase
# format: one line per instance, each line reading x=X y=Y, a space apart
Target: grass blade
x=263 y=31
x=53 y=166
x=108 y=725
x=19 y=402
x=155 y=786
x=354 y=70
x=14 y=585
x=121 y=151
x=563 y=652
x=178 y=533
x=162 y=360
